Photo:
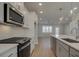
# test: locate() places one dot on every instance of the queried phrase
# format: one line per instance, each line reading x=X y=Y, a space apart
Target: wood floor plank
x=43 y=49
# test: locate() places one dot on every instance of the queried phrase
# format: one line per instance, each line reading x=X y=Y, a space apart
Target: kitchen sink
x=70 y=40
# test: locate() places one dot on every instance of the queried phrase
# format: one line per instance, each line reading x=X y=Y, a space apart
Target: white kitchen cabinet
x=10 y=53
x=57 y=49
x=53 y=44
x=18 y=5
x=74 y=53
x=62 y=50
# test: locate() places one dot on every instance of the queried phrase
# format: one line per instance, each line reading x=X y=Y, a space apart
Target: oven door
x=25 y=51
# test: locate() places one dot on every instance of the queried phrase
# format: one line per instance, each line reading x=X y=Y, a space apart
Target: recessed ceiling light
x=61 y=18
x=40 y=4
x=75 y=8
x=41 y=12
x=71 y=11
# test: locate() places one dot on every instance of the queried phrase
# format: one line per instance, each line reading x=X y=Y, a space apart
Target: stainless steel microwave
x=12 y=15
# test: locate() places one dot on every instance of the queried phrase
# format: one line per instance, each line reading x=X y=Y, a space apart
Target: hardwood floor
x=43 y=49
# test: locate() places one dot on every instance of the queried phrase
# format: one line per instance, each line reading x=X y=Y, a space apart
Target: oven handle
x=24 y=46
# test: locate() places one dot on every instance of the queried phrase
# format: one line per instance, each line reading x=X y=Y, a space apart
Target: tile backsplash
x=11 y=31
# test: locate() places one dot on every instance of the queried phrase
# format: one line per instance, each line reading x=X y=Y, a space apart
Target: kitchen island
x=63 y=48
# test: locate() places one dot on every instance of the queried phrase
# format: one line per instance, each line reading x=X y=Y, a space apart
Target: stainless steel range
x=23 y=47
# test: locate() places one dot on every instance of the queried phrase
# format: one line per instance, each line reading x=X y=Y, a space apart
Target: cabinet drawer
x=74 y=52
x=10 y=53
x=63 y=45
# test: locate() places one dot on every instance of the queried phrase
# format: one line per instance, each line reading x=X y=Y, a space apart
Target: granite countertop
x=73 y=45
x=6 y=47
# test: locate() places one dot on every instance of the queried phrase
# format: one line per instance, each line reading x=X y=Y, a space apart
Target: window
x=47 y=29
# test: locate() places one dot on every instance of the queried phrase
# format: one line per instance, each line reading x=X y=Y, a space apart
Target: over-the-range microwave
x=12 y=15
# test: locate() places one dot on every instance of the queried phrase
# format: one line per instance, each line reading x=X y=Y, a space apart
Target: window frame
x=47 y=29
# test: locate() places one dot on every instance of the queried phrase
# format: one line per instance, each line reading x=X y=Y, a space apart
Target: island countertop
x=73 y=45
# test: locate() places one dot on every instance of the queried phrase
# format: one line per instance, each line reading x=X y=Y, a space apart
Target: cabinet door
x=53 y=45
x=57 y=49
x=51 y=42
x=63 y=52
x=74 y=52
x=60 y=50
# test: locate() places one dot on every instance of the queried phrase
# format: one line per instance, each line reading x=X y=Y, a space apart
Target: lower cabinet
x=62 y=50
x=53 y=45
x=10 y=53
x=73 y=52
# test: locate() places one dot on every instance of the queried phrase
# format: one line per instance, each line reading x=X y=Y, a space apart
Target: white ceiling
x=51 y=11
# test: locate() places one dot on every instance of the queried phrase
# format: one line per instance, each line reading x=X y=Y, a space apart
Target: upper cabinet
x=19 y=5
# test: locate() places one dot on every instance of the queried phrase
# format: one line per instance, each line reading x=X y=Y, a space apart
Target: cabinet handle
x=10 y=55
